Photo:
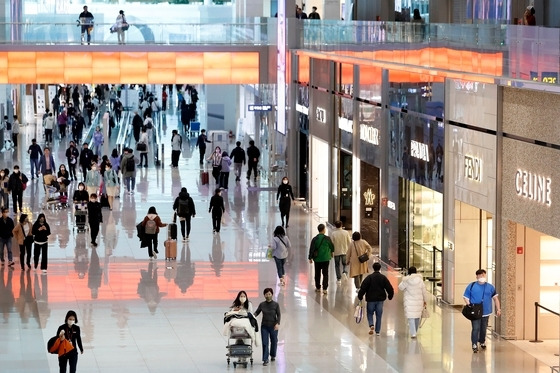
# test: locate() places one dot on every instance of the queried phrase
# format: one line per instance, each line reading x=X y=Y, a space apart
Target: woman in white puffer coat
x=415 y=297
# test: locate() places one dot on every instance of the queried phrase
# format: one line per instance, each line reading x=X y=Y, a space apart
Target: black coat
x=16 y=181
x=376 y=288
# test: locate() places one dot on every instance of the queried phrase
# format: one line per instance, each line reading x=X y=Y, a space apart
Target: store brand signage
x=533 y=186
x=369 y=134
x=467 y=86
x=419 y=150
x=321 y=115
x=391 y=205
x=259 y=107
x=473 y=168
x=369 y=197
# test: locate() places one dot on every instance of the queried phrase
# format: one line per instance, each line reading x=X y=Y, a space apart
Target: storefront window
x=370 y=83
x=345 y=122
x=404 y=9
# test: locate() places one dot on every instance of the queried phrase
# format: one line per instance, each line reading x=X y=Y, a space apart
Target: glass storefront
x=369 y=186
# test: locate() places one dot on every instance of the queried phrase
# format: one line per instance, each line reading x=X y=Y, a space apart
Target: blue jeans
x=413 y=325
x=337 y=260
x=8 y=243
x=376 y=307
x=478 y=333
x=35 y=167
x=266 y=333
x=130 y=182
x=280 y=266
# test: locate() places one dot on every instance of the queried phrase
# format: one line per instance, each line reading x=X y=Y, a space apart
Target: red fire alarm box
x=520 y=249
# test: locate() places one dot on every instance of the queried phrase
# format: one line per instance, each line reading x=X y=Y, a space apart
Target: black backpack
x=183 y=209
x=130 y=164
x=8 y=126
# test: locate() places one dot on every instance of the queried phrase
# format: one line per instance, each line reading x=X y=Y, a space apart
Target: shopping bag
x=359 y=312
x=269 y=253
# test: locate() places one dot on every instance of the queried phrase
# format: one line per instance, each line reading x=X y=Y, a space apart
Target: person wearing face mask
x=285 y=196
x=217 y=208
x=81 y=196
x=95 y=217
x=111 y=181
x=72 y=156
x=24 y=237
x=41 y=232
x=414 y=300
x=16 y=186
x=481 y=291
x=70 y=331
x=85 y=159
x=63 y=179
x=93 y=179
x=6 y=236
x=97 y=140
x=216 y=159
x=269 y=325
x=241 y=302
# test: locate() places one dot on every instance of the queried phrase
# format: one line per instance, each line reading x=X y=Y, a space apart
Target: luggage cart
x=240 y=346
x=80 y=217
x=53 y=199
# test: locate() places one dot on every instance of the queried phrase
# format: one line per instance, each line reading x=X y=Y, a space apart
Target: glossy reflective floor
x=142 y=316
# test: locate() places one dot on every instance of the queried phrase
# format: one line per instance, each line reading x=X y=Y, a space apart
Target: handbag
x=125 y=26
x=141 y=147
x=269 y=253
x=425 y=316
x=362 y=258
x=472 y=311
x=359 y=312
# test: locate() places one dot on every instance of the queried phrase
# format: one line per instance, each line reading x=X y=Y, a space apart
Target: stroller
x=53 y=198
x=240 y=346
x=80 y=217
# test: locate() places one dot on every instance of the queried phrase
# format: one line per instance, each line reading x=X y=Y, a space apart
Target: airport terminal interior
x=144 y=315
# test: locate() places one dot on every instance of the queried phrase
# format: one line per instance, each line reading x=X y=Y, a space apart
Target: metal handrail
x=124 y=131
x=537 y=306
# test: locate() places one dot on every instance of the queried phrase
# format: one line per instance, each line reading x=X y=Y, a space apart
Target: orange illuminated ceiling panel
x=49 y=75
x=244 y=76
x=21 y=75
x=134 y=75
x=74 y=75
x=303 y=69
x=104 y=61
x=244 y=60
x=192 y=75
x=21 y=59
x=100 y=76
x=161 y=76
x=217 y=76
x=161 y=60
x=78 y=59
x=134 y=60
x=187 y=60
x=347 y=73
x=217 y=61
x=50 y=60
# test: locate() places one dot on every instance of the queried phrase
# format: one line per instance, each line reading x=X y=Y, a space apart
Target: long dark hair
x=237 y=302
x=279 y=231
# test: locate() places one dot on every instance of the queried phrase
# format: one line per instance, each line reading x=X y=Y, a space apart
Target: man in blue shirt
x=481 y=292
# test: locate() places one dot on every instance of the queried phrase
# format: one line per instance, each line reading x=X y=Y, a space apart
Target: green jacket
x=322 y=246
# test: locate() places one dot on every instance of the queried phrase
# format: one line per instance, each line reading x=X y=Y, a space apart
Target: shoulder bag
x=473 y=311
x=141 y=147
x=362 y=258
x=359 y=312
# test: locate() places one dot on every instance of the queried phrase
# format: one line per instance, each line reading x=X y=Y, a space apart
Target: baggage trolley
x=240 y=346
x=80 y=217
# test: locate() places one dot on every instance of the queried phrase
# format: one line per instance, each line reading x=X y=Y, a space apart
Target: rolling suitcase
x=170 y=249
x=204 y=177
x=172 y=231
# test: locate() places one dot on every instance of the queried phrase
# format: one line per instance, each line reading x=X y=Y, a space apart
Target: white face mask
x=71 y=322
x=482 y=280
x=242 y=299
x=285 y=181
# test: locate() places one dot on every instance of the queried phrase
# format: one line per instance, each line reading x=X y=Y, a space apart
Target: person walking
x=111 y=182
x=280 y=246
x=152 y=223
x=4 y=188
x=35 y=153
x=122 y=26
x=217 y=209
x=142 y=147
x=185 y=210
x=93 y=180
x=224 y=170
x=376 y=287
x=269 y=325
x=481 y=291
x=98 y=139
x=357 y=268
x=62 y=121
x=128 y=169
x=72 y=156
x=47 y=164
x=341 y=240
x=201 y=144
x=15 y=131
x=71 y=332
x=415 y=298
x=41 y=232
x=86 y=156
x=176 y=146
x=95 y=217
x=285 y=196
x=24 y=238
x=253 y=154
x=137 y=124
x=16 y=185
x=314 y=14
x=86 y=22
x=216 y=158
x=49 y=126
x=6 y=236
x=238 y=157
x=321 y=251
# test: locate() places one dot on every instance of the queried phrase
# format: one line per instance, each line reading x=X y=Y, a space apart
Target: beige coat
x=18 y=234
x=355 y=249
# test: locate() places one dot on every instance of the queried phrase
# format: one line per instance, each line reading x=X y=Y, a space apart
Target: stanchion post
x=536 y=340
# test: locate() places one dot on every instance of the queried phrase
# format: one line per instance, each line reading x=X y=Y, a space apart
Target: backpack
x=183 y=208
x=8 y=126
x=150 y=227
x=130 y=164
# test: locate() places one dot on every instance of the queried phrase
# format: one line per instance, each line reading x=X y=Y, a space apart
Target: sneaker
x=483 y=346
x=317 y=290
x=151 y=258
x=324 y=292
x=272 y=358
x=371 y=330
x=474 y=348
x=345 y=276
x=378 y=334
x=265 y=363
x=94 y=244
x=44 y=271
x=187 y=239
x=338 y=282
x=155 y=251
x=184 y=239
x=11 y=263
x=413 y=336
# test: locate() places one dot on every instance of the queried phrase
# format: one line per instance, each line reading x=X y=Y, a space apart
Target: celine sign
x=473 y=168
x=534 y=187
x=419 y=150
x=369 y=134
